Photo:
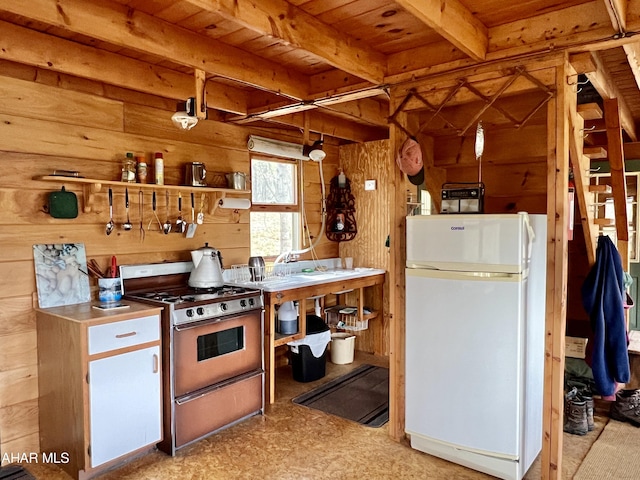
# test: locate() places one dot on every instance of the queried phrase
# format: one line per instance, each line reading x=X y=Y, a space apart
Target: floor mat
x=614 y=455
x=14 y=472
x=361 y=396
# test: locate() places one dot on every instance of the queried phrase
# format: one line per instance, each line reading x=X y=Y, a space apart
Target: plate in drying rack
x=243 y=273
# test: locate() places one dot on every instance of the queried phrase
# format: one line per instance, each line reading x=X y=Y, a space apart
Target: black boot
x=588 y=399
x=626 y=408
x=575 y=414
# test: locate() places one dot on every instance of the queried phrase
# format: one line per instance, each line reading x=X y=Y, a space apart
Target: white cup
x=348 y=263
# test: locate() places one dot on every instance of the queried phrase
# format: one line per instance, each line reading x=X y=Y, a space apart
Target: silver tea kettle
x=207 y=268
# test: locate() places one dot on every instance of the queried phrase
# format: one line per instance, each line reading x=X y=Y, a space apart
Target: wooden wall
x=360 y=162
x=48 y=122
x=513 y=165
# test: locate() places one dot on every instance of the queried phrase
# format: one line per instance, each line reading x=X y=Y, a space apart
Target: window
x=275 y=215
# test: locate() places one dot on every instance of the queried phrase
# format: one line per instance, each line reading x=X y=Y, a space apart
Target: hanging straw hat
x=409 y=159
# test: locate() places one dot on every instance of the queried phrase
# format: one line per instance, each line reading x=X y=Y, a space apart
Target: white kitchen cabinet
x=124 y=403
x=99 y=378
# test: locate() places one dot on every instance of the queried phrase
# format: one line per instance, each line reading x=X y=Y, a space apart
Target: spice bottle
x=158 y=167
x=142 y=169
x=129 y=169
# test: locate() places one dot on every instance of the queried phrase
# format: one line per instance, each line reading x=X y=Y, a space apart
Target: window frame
x=280 y=208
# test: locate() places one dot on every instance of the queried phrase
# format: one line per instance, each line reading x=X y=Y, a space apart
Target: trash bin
x=342 y=348
x=309 y=355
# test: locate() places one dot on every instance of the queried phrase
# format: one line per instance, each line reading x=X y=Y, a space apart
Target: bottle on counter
x=129 y=169
x=158 y=167
x=142 y=169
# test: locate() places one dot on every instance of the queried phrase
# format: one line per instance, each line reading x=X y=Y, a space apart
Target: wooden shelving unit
x=93 y=186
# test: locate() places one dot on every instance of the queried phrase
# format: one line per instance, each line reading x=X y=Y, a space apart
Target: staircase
x=599 y=123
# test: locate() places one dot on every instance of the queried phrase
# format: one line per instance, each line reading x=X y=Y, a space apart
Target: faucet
x=286 y=257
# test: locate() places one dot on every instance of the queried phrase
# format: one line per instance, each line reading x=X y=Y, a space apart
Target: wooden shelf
x=93 y=186
x=282 y=339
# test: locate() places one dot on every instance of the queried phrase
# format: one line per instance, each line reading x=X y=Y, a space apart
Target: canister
x=287 y=319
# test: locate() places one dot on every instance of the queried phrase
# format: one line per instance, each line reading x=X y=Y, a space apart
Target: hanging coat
x=603 y=296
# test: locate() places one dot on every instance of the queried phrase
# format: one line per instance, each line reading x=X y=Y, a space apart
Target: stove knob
x=243 y=303
x=251 y=302
x=189 y=313
x=223 y=307
x=200 y=311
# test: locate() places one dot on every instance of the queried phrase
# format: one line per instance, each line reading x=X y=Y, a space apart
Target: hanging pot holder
x=62 y=204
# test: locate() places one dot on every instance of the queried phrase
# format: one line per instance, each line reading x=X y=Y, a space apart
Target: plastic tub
x=342 y=348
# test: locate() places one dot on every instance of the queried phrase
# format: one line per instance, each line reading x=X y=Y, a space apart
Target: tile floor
x=291 y=442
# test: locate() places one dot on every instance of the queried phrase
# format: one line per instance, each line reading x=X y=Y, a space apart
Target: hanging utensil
x=114 y=267
x=191 y=229
x=127 y=225
x=141 y=208
x=166 y=226
x=111 y=224
x=479 y=147
x=200 y=219
x=181 y=225
x=155 y=214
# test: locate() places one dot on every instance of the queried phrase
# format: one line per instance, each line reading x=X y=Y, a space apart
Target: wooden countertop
x=85 y=313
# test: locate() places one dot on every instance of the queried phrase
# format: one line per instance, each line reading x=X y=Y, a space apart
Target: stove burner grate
x=191 y=295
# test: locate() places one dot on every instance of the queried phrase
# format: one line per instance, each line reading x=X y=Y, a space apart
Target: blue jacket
x=603 y=295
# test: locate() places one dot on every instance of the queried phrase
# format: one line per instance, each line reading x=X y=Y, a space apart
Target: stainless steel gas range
x=213 y=361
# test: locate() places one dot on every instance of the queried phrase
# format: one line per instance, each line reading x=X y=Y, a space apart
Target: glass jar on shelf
x=129 y=169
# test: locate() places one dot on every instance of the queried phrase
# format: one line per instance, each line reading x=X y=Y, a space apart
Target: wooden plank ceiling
x=266 y=61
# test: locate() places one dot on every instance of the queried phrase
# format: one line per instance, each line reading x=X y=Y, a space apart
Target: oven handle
x=211 y=388
x=201 y=323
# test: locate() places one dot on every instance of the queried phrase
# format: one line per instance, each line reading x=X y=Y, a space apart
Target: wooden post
x=557 y=254
x=397 y=220
x=618 y=179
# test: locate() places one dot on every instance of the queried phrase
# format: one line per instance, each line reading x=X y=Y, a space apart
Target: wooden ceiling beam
x=453 y=21
x=330 y=102
x=283 y=21
x=632 y=50
x=365 y=110
x=26 y=46
x=122 y=26
x=618 y=13
x=605 y=84
x=320 y=122
x=577 y=27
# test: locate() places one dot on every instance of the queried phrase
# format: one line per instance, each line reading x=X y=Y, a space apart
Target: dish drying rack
x=243 y=273
x=345 y=317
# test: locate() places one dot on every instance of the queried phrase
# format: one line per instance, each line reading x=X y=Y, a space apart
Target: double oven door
x=218 y=374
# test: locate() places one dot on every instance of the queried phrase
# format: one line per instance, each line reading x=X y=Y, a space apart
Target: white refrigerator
x=475 y=309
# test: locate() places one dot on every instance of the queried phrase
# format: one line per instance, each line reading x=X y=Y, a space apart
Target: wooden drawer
x=111 y=336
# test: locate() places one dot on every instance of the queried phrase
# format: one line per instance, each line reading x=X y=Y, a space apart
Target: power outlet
x=369 y=184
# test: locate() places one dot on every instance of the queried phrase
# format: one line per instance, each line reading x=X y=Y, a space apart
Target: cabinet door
x=124 y=403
